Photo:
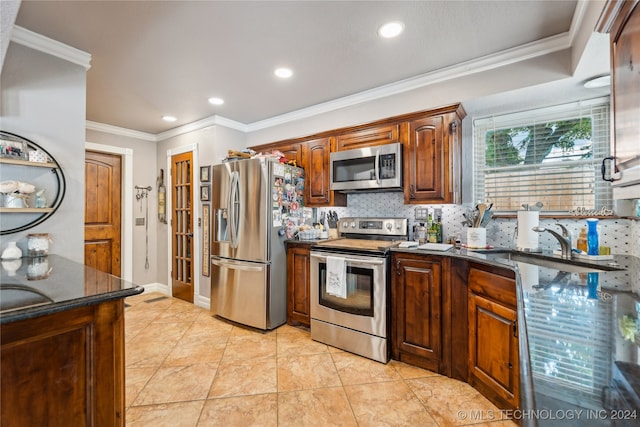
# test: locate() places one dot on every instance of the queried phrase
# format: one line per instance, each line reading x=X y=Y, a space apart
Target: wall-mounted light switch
x=139 y=221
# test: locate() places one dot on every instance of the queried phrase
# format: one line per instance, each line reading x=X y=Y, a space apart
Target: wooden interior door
x=102 y=211
x=182 y=226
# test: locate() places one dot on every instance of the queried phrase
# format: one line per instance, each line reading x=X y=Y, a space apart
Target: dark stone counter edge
x=56 y=307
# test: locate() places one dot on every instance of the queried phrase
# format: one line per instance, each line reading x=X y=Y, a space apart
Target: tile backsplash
x=621 y=235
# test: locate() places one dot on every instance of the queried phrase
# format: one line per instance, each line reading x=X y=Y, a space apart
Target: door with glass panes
x=182 y=226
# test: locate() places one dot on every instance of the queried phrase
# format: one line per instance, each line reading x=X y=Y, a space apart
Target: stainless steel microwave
x=376 y=168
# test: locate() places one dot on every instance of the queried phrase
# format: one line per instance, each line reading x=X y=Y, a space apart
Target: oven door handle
x=358 y=261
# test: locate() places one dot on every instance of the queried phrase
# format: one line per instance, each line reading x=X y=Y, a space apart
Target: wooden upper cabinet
x=372 y=136
x=432 y=169
x=622 y=20
x=315 y=160
x=432 y=142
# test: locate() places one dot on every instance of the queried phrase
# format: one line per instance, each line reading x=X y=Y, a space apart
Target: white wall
x=44 y=100
x=145 y=173
x=212 y=145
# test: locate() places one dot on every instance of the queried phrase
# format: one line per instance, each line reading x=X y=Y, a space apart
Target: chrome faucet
x=564 y=239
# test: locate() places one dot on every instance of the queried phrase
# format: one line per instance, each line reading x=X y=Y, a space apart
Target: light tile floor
x=187 y=368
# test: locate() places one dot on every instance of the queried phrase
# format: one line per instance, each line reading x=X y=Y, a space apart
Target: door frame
x=198 y=300
x=126 y=213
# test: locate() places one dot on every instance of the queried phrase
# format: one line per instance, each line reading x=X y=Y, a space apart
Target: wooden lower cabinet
x=298 y=284
x=64 y=369
x=416 y=295
x=493 y=337
x=458 y=319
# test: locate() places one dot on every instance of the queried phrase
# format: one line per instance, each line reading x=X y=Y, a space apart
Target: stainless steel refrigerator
x=254 y=202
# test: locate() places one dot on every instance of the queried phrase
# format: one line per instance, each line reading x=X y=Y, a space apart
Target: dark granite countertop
x=33 y=287
x=579 y=339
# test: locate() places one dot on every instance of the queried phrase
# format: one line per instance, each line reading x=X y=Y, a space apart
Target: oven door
x=365 y=307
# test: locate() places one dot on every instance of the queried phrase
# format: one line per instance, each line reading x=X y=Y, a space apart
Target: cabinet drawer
x=493 y=285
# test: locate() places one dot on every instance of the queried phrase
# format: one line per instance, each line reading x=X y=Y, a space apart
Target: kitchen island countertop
x=34 y=287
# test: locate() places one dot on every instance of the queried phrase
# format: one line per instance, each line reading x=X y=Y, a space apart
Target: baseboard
x=198 y=300
x=202 y=302
x=157 y=287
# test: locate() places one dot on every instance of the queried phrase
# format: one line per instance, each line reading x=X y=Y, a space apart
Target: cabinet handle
x=398 y=271
x=412 y=193
x=515 y=328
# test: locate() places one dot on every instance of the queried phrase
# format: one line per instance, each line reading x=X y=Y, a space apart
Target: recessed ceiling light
x=600 y=81
x=216 y=101
x=391 y=29
x=169 y=118
x=283 y=73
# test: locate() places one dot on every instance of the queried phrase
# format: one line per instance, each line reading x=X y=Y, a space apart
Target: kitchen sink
x=552 y=262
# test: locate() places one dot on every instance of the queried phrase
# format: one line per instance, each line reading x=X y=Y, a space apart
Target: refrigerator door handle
x=231 y=209
x=235 y=266
x=237 y=209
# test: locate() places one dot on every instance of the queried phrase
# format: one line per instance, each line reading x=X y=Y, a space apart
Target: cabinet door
x=298 y=281
x=493 y=351
x=315 y=160
x=432 y=161
x=65 y=368
x=417 y=311
x=626 y=103
x=372 y=136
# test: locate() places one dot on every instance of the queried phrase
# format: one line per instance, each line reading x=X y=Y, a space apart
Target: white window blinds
x=551 y=155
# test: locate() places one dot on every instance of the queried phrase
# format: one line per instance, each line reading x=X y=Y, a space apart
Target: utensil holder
x=476 y=238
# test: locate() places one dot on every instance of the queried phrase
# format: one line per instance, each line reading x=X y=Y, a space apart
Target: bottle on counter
x=581 y=242
x=593 y=246
x=439 y=229
x=433 y=232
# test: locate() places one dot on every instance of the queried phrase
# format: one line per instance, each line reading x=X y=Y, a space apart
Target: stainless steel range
x=350 y=286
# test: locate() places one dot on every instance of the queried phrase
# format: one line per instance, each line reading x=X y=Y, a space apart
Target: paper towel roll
x=527 y=238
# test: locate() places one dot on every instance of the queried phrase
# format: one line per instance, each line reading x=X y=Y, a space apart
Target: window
x=551 y=155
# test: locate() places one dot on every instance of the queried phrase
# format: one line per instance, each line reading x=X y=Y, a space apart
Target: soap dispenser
x=581 y=242
x=593 y=246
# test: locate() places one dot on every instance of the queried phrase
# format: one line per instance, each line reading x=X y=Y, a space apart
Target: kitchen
x=73 y=129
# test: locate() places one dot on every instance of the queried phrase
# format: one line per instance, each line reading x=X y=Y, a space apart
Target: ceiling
x=153 y=58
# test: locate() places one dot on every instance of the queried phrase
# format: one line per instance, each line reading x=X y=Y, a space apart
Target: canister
x=38 y=244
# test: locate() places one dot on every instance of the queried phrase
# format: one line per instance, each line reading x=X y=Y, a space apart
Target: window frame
x=601 y=137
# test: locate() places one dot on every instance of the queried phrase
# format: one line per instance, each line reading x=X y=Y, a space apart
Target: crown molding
x=115 y=130
x=507 y=57
x=52 y=47
x=201 y=124
x=501 y=59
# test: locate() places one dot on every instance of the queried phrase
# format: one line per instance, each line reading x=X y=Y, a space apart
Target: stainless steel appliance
x=373 y=168
x=253 y=202
x=356 y=320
